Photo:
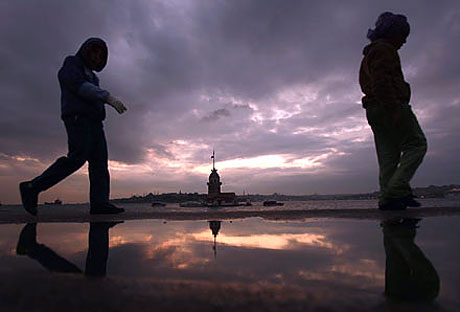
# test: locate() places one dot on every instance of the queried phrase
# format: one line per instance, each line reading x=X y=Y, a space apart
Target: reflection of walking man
x=399 y=140
x=82 y=110
x=409 y=275
x=96 y=260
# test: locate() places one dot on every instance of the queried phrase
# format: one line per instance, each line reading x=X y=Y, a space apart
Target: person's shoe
x=393 y=204
x=27 y=239
x=106 y=208
x=411 y=202
x=29 y=197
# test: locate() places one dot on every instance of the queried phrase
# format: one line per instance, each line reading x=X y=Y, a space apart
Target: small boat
x=272 y=203
x=158 y=204
x=56 y=202
x=192 y=204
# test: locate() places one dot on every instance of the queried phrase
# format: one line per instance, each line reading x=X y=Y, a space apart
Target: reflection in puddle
x=322 y=259
x=271 y=241
x=408 y=273
x=215 y=227
x=96 y=260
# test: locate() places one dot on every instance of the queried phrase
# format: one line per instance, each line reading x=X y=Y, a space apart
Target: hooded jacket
x=381 y=78
x=80 y=91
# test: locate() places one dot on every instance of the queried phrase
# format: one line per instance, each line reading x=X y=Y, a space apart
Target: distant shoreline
x=14 y=214
x=432 y=191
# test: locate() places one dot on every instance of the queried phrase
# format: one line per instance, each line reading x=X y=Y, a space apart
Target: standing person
x=399 y=140
x=82 y=110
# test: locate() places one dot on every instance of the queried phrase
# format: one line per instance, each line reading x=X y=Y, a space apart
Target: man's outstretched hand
x=117 y=104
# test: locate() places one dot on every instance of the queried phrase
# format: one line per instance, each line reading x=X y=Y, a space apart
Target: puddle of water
x=323 y=263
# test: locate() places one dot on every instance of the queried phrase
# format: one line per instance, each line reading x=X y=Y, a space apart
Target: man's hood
x=88 y=43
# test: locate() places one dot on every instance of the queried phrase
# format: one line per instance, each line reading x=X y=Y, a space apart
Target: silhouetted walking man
x=82 y=110
x=399 y=140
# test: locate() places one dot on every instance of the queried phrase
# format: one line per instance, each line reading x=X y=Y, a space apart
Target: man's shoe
x=411 y=202
x=393 y=204
x=106 y=208
x=27 y=239
x=29 y=197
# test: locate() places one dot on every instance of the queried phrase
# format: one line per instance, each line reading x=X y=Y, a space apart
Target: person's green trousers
x=400 y=150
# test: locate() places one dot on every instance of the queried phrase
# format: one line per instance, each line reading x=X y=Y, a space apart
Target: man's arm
x=72 y=77
x=92 y=92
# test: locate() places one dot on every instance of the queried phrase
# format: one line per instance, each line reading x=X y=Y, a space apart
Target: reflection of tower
x=214 y=179
x=215 y=227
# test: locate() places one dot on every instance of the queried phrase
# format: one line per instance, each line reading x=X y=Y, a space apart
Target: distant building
x=214 y=183
x=215 y=196
x=453 y=193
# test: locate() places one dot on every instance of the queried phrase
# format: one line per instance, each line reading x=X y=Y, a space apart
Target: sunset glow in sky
x=271 y=86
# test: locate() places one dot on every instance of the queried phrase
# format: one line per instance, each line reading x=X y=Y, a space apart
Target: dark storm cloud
x=215 y=115
x=276 y=77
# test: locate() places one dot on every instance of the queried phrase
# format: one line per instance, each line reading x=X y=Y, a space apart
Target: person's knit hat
x=389 y=25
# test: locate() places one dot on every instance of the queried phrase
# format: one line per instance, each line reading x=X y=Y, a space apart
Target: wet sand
x=80 y=213
x=77 y=293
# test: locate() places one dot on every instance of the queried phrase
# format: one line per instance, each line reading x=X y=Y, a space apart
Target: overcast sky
x=270 y=85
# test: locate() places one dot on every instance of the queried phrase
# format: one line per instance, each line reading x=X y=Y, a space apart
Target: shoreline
x=80 y=214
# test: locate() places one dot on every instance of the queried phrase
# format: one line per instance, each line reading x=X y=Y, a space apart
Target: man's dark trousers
x=400 y=150
x=86 y=140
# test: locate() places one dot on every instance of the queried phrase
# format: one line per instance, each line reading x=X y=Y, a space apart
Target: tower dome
x=214 y=179
x=214 y=183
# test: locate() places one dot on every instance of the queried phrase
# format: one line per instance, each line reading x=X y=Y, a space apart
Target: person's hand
x=117 y=104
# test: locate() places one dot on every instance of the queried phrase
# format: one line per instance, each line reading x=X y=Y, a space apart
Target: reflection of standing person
x=409 y=275
x=98 y=248
x=399 y=140
x=96 y=260
x=82 y=110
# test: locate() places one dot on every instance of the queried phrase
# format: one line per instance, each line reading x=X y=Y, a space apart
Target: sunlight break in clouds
x=280 y=161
